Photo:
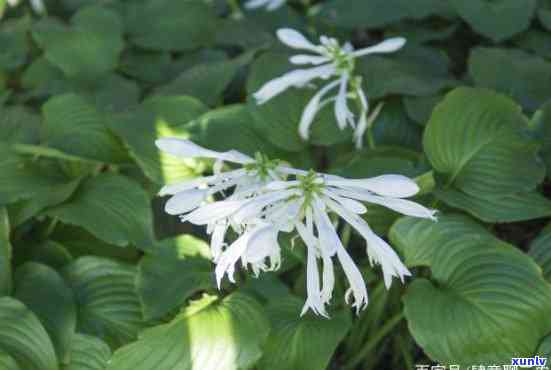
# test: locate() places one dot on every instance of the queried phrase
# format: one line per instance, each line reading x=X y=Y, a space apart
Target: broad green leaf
x=540 y=250
x=19 y=125
x=108 y=306
x=419 y=108
x=244 y=33
x=535 y=41
x=505 y=208
x=306 y=342
x=88 y=353
x=377 y=13
x=23 y=179
x=522 y=76
x=544 y=349
x=175 y=25
x=179 y=268
x=50 y=253
x=75 y=127
x=194 y=339
x=477 y=147
x=415 y=70
x=24 y=338
x=7 y=362
x=157 y=117
x=206 y=81
x=382 y=160
x=541 y=123
x=231 y=127
x=14 y=45
x=5 y=254
x=45 y=292
x=495 y=294
x=112 y=207
x=87 y=49
x=499 y=19
x=278 y=119
x=393 y=127
x=51 y=196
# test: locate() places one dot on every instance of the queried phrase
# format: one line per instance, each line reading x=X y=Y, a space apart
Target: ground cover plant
x=274 y=185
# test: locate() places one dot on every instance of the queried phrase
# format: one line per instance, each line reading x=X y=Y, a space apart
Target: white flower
x=268 y=198
x=331 y=60
x=270 y=5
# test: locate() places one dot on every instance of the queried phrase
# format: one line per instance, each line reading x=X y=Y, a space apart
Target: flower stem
x=374 y=341
x=370 y=138
x=236 y=12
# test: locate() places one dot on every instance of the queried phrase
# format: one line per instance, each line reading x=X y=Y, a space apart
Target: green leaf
x=522 y=76
x=44 y=292
x=175 y=25
x=194 y=338
x=540 y=250
x=541 y=123
x=87 y=49
x=177 y=270
x=22 y=179
x=231 y=127
x=415 y=70
x=419 y=108
x=5 y=254
x=23 y=337
x=159 y=116
x=495 y=294
x=377 y=13
x=544 y=13
x=306 y=342
x=278 y=119
x=108 y=306
x=535 y=41
x=88 y=353
x=19 y=125
x=544 y=349
x=393 y=127
x=112 y=207
x=497 y=20
x=73 y=126
x=206 y=81
x=506 y=208
x=480 y=154
x=7 y=362
x=50 y=253
x=14 y=45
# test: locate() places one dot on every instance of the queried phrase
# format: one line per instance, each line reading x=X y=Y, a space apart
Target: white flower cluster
x=263 y=197
x=330 y=59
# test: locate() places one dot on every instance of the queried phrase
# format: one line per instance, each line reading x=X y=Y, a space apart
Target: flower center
x=262 y=166
x=310 y=185
x=343 y=62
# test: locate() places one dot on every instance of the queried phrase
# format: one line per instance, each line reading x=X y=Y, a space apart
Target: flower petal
x=396 y=186
x=213 y=212
x=309 y=59
x=188 y=149
x=185 y=201
x=295 y=40
x=343 y=115
x=312 y=108
x=387 y=46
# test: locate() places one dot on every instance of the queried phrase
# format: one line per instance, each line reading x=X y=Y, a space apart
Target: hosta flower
x=330 y=61
x=270 y=5
x=190 y=199
x=268 y=198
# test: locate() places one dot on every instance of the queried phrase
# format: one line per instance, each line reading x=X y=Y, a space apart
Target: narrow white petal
x=387 y=46
x=350 y=204
x=403 y=206
x=217 y=240
x=329 y=240
x=363 y=122
x=296 y=78
x=185 y=201
x=228 y=258
x=262 y=244
x=314 y=298
x=295 y=39
x=188 y=149
x=312 y=108
x=355 y=279
x=397 y=186
x=214 y=211
x=309 y=59
x=342 y=113
x=254 y=207
x=281 y=185
x=328 y=278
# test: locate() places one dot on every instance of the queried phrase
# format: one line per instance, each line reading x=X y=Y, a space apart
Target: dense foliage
x=95 y=276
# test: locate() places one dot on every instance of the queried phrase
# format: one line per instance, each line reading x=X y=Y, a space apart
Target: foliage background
x=93 y=276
